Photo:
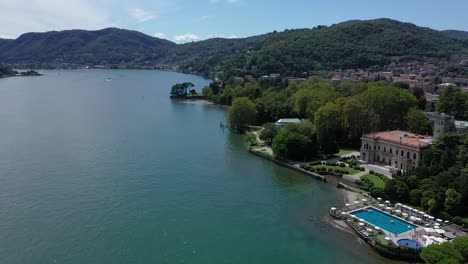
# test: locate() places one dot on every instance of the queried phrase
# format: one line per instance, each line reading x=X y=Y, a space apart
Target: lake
x=113 y=171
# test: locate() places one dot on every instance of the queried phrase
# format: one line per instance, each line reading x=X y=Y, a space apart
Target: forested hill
x=111 y=45
x=350 y=44
x=457 y=33
x=346 y=45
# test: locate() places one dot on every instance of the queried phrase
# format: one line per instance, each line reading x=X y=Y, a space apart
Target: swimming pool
x=409 y=243
x=383 y=220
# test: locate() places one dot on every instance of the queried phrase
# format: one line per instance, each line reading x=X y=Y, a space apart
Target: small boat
x=108 y=79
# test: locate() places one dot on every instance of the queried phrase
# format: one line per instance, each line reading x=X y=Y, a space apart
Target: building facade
x=398 y=149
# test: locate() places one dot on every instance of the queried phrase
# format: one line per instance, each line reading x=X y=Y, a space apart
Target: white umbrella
x=381 y=205
x=388 y=208
x=398 y=211
x=431 y=217
x=369 y=230
x=405 y=214
x=360 y=219
x=364 y=200
x=387 y=201
x=347 y=204
x=439 y=220
x=333 y=208
x=343 y=213
x=356 y=202
x=361 y=224
x=387 y=238
x=377 y=228
x=446 y=221
x=380 y=199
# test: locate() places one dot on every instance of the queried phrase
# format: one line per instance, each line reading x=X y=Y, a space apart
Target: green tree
x=251 y=138
x=295 y=141
x=328 y=124
x=454 y=102
x=435 y=254
x=390 y=103
x=208 y=92
x=357 y=120
x=242 y=113
x=417 y=122
x=452 y=199
x=268 y=133
x=301 y=100
x=461 y=245
x=181 y=89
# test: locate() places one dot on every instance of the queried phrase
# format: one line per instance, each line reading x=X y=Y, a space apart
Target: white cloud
x=159 y=35
x=141 y=15
x=22 y=16
x=232 y=1
x=221 y=36
x=186 y=37
x=203 y=18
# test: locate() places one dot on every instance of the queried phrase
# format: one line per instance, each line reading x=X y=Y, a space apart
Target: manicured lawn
x=375 y=180
x=382 y=240
x=348 y=169
x=344 y=151
x=266 y=153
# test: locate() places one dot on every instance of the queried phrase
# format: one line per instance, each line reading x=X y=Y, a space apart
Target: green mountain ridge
x=351 y=44
x=456 y=33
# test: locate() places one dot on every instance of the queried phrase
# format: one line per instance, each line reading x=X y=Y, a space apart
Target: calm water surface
x=97 y=171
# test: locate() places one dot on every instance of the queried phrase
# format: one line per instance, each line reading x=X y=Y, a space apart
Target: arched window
x=414 y=155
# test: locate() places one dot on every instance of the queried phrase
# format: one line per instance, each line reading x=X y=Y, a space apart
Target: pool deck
x=413 y=234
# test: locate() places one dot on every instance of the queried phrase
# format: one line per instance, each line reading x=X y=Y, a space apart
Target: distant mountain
x=457 y=33
x=351 y=44
x=80 y=46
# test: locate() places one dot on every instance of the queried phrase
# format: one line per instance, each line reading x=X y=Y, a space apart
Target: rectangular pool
x=383 y=220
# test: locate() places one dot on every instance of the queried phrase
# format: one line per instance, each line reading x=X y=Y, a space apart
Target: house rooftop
x=402 y=138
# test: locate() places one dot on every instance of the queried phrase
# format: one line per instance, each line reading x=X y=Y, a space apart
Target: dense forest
x=110 y=45
x=352 y=44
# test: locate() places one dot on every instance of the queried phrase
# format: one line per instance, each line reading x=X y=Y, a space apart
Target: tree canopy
x=181 y=89
x=242 y=113
x=455 y=252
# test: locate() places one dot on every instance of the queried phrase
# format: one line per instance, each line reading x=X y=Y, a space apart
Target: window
x=390 y=151
x=407 y=154
x=379 y=148
x=384 y=149
x=396 y=152
x=402 y=153
x=390 y=162
x=414 y=155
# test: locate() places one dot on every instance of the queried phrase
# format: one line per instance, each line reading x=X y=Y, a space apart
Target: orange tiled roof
x=402 y=138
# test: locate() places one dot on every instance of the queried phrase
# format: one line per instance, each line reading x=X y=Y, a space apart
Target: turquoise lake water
x=96 y=171
x=384 y=220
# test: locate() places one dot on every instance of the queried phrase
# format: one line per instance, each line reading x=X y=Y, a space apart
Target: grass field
x=348 y=169
x=375 y=180
x=344 y=151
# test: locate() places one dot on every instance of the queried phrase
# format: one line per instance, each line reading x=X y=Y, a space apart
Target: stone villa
x=398 y=149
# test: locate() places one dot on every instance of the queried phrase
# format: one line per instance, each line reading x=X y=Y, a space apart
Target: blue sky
x=183 y=20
